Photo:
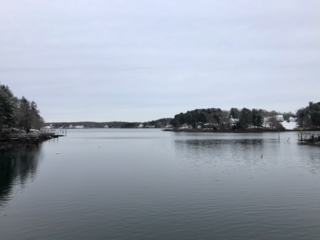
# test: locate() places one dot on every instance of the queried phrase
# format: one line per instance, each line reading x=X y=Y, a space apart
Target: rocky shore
x=24 y=139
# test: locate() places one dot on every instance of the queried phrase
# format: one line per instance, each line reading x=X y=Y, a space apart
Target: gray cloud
x=141 y=60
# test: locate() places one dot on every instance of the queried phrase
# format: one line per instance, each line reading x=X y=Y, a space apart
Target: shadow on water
x=311 y=159
x=248 y=154
x=17 y=166
x=218 y=143
x=216 y=147
x=228 y=154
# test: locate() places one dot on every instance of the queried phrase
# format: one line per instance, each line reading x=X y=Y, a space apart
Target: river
x=149 y=184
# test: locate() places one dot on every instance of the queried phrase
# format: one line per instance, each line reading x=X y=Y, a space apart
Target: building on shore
x=279 y=118
x=184 y=126
x=48 y=127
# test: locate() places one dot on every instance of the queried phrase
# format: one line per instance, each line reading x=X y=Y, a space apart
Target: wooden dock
x=309 y=136
x=54 y=133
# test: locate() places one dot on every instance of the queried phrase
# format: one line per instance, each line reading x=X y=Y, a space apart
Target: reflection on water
x=218 y=144
x=262 y=154
x=17 y=165
x=148 y=184
x=221 y=150
x=312 y=159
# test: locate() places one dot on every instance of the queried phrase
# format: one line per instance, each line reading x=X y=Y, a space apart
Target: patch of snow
x=292 y=119
x=233 y=120
x=289 y=125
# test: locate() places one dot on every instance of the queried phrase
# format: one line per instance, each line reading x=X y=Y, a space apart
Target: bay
x=149 y=184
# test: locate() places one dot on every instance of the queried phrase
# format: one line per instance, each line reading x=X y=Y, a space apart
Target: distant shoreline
x=232 y=131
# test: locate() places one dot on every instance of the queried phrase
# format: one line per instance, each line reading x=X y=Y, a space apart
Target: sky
x=125 y=60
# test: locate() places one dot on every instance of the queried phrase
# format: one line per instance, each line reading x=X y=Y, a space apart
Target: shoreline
x=230 y=131
x=24 y=139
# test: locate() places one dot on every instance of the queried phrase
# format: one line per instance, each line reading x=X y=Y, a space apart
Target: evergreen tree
x=36 y=120
x=245 y=118
x=234 y=113
x=16 y=112
x=24 y=114
x=309 y=117
x=256 y=118
x=314 y=109
x=6 y=107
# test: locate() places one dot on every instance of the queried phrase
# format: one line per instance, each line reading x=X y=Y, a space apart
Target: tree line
x=160 y=123
x=18 y=113
x=235 y=118
x=309 y=117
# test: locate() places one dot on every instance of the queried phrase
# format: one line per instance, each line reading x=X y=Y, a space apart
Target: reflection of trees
x=210 y=144
x=314 y=164
x=215 y=150
x=311 y=158
x=17 y=165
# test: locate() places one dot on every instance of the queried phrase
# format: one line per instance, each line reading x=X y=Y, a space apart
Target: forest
x=159 y=123
x=309 y=117
x=245 y=118
x=17 y=113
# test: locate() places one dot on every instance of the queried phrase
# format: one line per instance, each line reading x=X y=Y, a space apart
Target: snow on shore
x=289 y=125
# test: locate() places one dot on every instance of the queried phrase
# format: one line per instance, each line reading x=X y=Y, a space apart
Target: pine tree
x=245 y=118
x=256 y=118
x=24 y=114
x=6 y=107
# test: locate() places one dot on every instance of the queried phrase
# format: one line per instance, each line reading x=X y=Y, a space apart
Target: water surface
x=148 y=184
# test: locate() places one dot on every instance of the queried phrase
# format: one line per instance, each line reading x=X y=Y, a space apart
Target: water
x=148 y=184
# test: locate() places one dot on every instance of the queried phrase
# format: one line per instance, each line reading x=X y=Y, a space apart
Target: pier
x=54 y=133
x=309 y=137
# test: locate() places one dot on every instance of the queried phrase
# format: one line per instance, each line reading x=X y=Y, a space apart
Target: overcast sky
x=104 y=60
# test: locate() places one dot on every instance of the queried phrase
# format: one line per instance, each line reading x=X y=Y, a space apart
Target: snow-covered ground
x=289 y=125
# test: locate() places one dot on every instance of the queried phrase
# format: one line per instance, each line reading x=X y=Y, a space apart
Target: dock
x=34 y=136
x=54 y=133
x=309 y=137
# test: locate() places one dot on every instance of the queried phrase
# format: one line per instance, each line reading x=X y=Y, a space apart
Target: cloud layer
x=141 y=60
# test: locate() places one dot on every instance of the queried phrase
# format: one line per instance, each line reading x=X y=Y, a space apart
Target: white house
x=184 y=126
x=48 y=127
x=79 y=126
x=279 y=118
x=140 y=125
x=233 y=120
x=106 y=126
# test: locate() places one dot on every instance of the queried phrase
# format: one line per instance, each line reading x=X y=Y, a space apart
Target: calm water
x=148 y=184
